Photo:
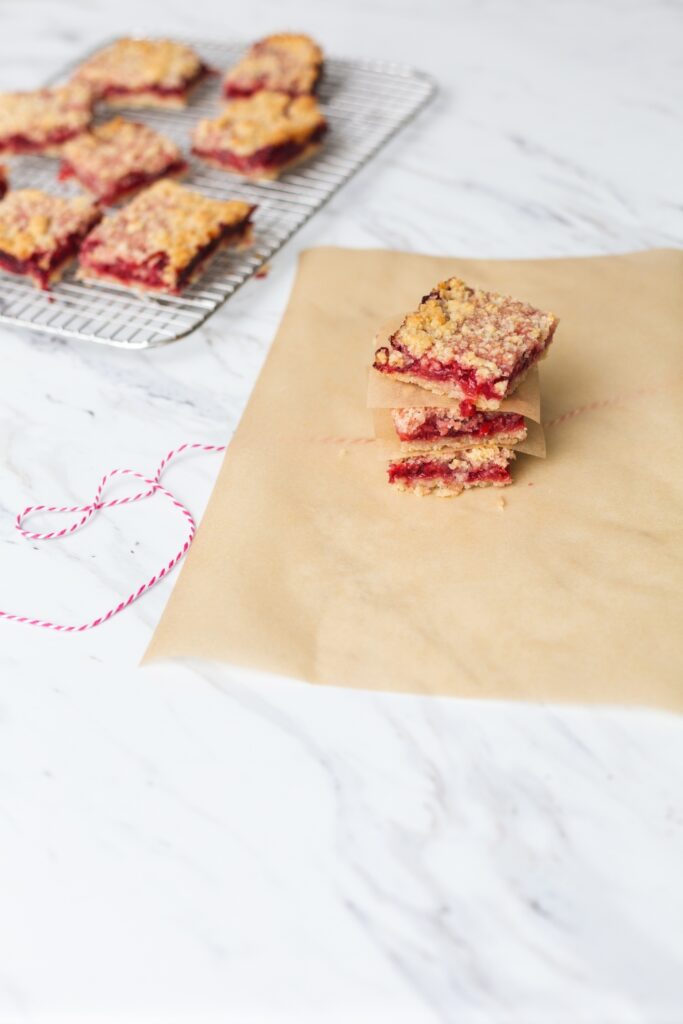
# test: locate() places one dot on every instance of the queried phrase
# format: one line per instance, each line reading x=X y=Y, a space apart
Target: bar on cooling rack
x=285 y=62
x=143 y=73
x=163 y=239
x=40 y=233
x=118 y=158
x=262 y=136
x=42 y=121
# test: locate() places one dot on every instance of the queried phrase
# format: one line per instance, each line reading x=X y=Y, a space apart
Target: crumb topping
x=264 y=119
x=477 y=330
x=286 y=62
x=38 y=115
x=111 y=151
x=168 y=219
x=33 y=222
x=138 y=64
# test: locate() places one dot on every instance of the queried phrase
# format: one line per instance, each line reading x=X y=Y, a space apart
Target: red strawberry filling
x=40 y=268
x=25 y=144
x=130 y=182
x=150 y=273
x=478 y=426
x=417 y=470
x=164 y=91
x=266 y=158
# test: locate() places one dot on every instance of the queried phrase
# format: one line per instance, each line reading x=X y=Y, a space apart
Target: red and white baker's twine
x=86 y=512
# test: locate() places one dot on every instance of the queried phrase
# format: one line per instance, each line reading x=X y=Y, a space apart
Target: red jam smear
x=128 y=183
x=426 y=469
x=264 y=159
x=482 y=426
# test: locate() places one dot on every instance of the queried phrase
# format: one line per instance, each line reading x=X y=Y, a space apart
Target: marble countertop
x=188 y=843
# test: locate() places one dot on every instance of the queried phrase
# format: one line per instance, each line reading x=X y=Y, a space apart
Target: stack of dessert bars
x=474 y=347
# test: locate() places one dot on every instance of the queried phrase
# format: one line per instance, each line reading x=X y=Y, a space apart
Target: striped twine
x=86 y=512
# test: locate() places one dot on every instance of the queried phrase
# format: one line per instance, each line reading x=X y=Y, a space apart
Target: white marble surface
x=188 y=843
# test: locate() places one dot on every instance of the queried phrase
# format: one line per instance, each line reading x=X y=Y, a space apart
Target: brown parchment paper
x=566 y=586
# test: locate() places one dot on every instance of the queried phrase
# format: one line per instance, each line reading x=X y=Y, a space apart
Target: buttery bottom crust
x=148 y=99
x=453 y=444
x=439 y=489
x=266 y=175
x=91 y=276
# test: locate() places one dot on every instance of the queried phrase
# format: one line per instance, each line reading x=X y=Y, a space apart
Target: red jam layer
x=264 y=159
x=427 y=469
x=235 y=91
x=175 y=92
x=479 y=425
x=33 y=266
x=465 y=377
x=25 y=144
x=128 y=183
x=150 y=273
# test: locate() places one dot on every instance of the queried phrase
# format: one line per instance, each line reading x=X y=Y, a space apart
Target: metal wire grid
x=365 y=103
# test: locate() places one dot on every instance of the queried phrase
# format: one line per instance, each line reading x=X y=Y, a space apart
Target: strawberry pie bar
x=40 y=233
x=445 y=474
x=42 y=121
x=118 y=158
x=163 y=239
x=469 y=344
x=143 y=73
x=262 y=136
x=286 y=63
x=426 y=428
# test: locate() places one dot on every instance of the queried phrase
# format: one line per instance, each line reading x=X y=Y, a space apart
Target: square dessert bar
x=467 y=343
x=447 y=473
x=143 y=73
x=261 y=136
x=119 y=157
x=40 y=233
x=281 y=63
x=42 y=121
x=3 y=180
x=163 y=239
x=429 y=428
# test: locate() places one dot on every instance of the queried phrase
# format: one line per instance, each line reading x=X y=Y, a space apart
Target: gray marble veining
x=189 y=843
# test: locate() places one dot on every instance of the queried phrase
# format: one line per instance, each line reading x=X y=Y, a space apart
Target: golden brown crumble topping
x=283 y=62
x=479 y=330
x=109 y=152
x=165 y=218
x=38 y=116
x=264 y=119
x=138 y=64
x=33 y=222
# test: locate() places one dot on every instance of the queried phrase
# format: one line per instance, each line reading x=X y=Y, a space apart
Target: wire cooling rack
x=365 y=104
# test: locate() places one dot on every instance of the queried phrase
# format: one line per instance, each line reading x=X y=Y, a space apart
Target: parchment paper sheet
x=309 y=565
